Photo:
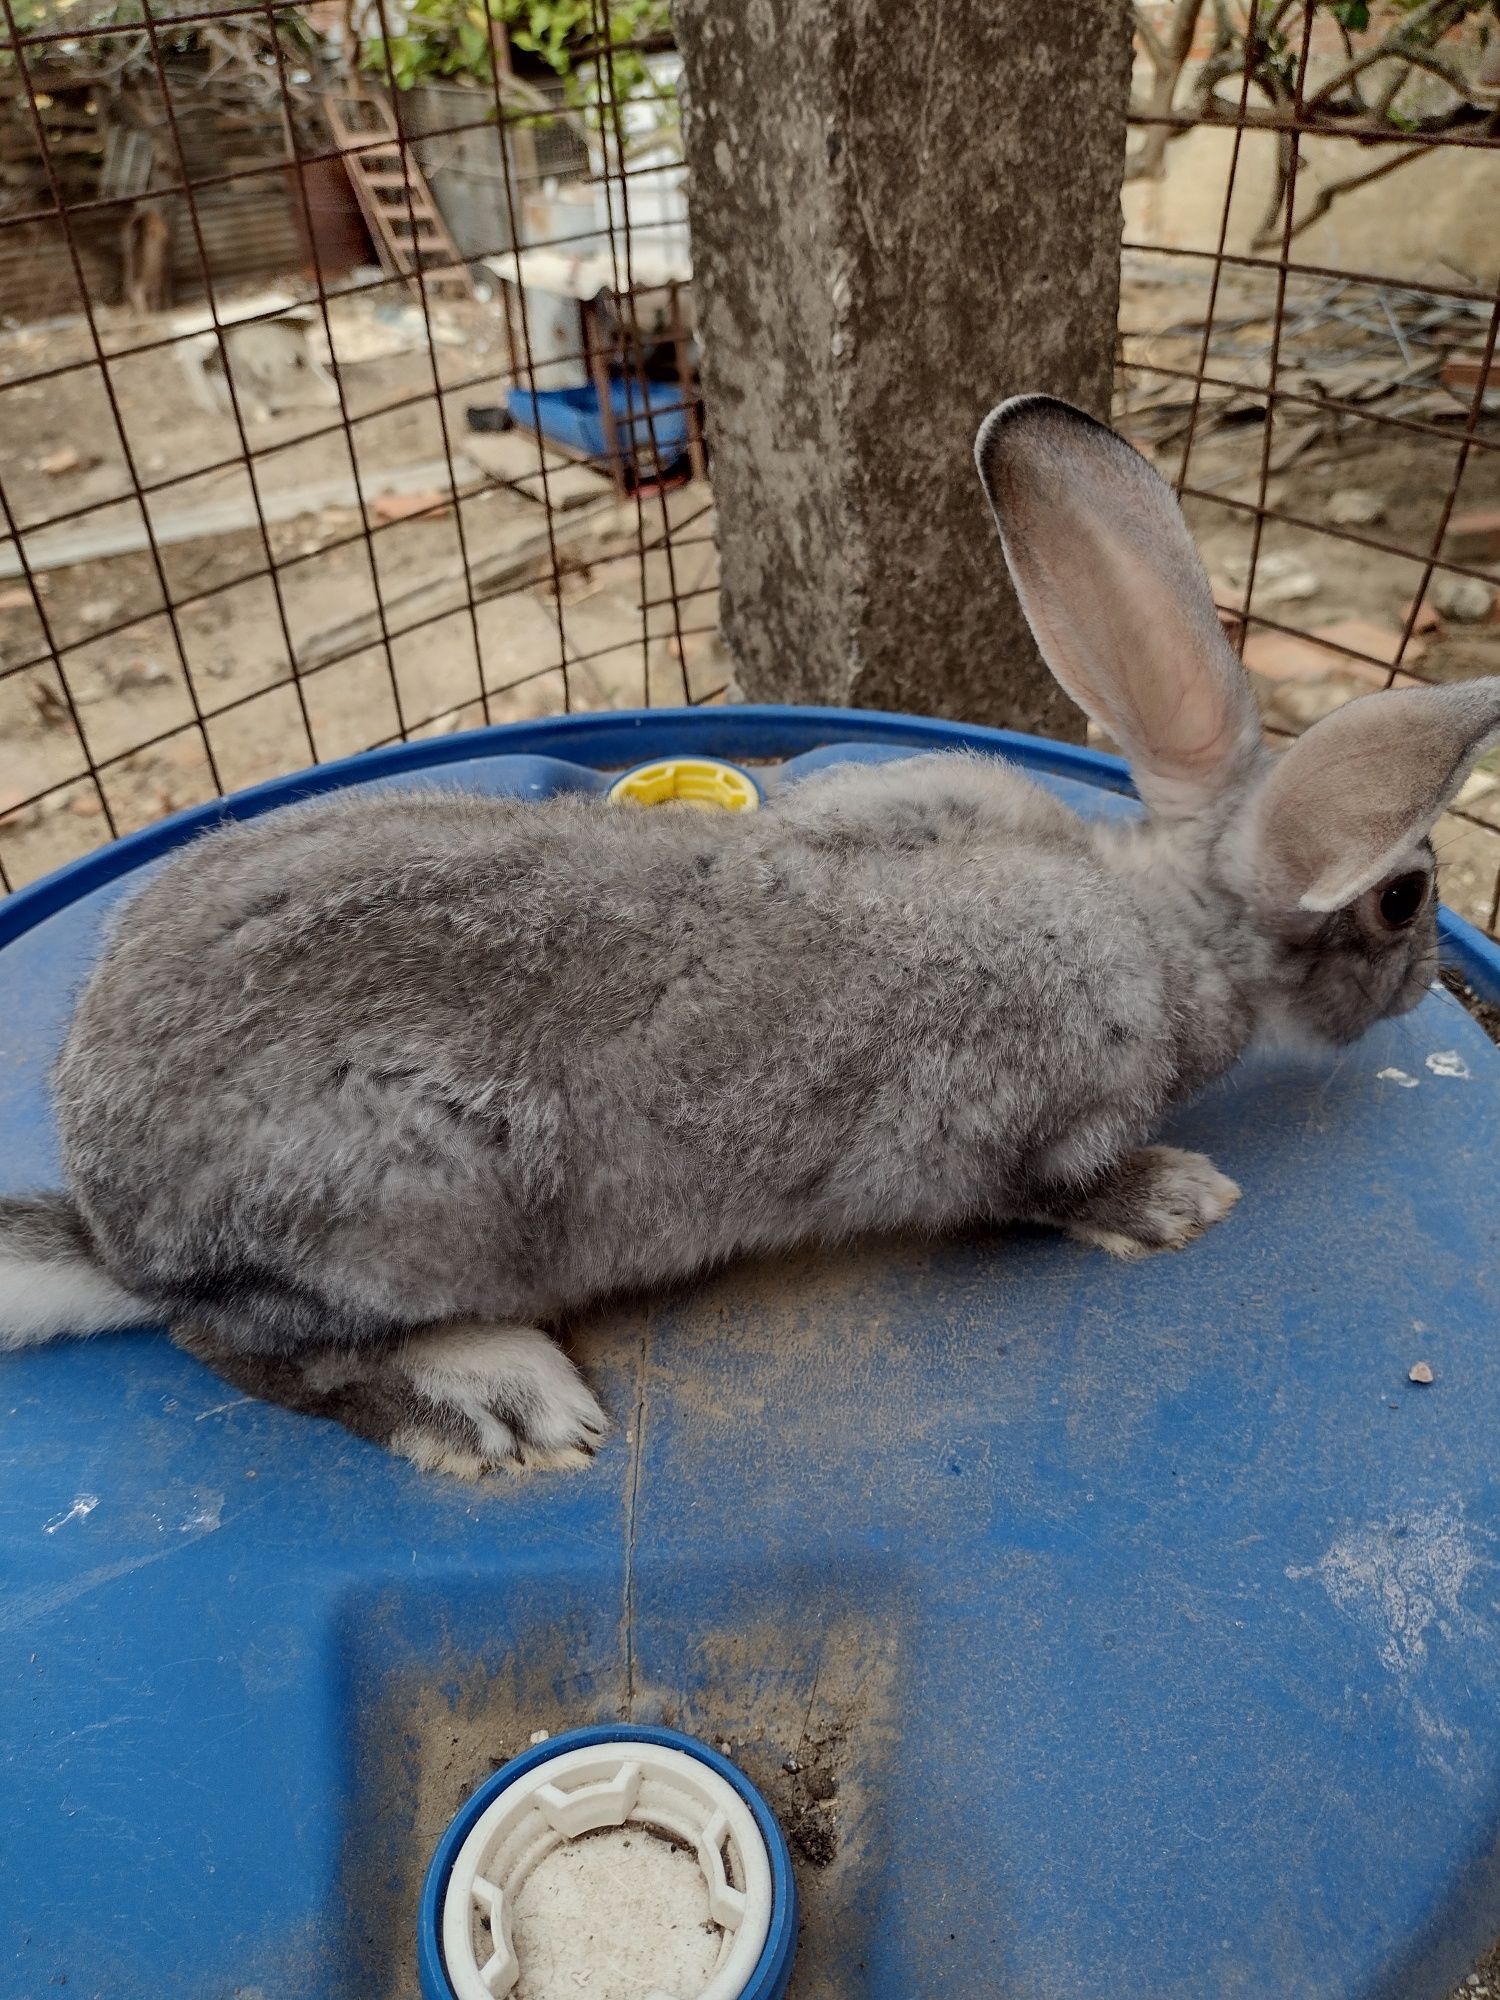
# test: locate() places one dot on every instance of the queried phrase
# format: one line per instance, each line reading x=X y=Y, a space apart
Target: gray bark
x=900 y=215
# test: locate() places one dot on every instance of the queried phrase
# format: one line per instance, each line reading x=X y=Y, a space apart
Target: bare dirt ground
x=224 y=645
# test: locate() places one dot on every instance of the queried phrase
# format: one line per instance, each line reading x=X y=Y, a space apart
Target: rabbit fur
x=364 y=1094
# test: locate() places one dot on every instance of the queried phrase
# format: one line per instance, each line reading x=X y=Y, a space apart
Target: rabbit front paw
x=484 y=1398
x=1157 y=1198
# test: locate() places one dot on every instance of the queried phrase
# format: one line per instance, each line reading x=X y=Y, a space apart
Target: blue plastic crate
x=572 y=418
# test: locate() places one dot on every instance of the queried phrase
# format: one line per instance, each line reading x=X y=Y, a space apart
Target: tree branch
x=1328 y=195
x=1398 y=42
x=1168 y=60
x=1149 y=39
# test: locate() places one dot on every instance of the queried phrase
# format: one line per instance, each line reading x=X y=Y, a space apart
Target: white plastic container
x=639 y=1862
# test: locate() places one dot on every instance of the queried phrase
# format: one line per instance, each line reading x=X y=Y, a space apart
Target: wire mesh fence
x=348 y=377
x=1307 y=347
x=451 y=472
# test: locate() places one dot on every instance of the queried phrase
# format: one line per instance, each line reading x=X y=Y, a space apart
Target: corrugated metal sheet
x=249 y=231
x=250 y=227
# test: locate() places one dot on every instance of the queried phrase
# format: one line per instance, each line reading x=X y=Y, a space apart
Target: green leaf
x=451 y=37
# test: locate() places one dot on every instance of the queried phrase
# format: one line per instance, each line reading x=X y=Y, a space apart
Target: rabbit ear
x=1354 y=794
x=1116 y=595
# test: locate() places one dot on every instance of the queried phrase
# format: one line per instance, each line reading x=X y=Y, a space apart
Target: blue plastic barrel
x=1089 y=1627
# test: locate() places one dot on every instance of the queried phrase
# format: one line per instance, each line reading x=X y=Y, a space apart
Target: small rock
x=139 y=674
x=407 y=506
x=1304 y=703
x=1281 y=579
x=1476 y=532
x=1426 y=620
x=85 y=806
x=1462 y=598
x=1419 y=1371
x=1355 y=507
x=65 y=459
x=538 y=1736
x=726 y=1749
x=791 y=1764
x=98 y=611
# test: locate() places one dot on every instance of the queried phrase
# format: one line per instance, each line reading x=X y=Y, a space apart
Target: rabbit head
x=1311 y=870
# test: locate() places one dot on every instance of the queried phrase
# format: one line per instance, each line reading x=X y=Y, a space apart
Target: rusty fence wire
x=342 y=402
x=298 y=303
x=1310 y=305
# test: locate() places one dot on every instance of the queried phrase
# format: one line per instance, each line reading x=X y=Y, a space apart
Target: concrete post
x=901 y=213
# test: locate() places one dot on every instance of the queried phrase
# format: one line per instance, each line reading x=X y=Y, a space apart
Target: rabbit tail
x=51 y=1279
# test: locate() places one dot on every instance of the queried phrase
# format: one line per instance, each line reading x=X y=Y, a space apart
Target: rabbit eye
x=1402 y=898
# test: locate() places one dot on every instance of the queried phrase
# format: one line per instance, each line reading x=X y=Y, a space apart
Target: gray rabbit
x=365 y=1093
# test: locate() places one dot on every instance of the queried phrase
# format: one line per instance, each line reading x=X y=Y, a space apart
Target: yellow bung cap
x=688 y=781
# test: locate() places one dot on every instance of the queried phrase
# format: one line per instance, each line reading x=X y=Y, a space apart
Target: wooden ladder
x=408 y=232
